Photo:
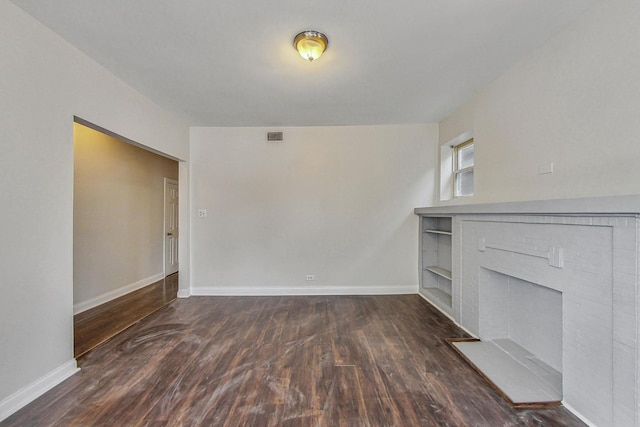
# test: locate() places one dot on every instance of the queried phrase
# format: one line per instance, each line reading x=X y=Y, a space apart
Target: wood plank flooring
x=282 y=361
x=99 y=324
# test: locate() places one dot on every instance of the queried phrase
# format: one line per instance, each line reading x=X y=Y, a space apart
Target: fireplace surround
x=560 y=280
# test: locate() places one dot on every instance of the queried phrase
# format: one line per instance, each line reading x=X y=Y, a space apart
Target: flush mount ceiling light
x=310 y=44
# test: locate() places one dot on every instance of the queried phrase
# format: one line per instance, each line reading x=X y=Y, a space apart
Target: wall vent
x=275 y=136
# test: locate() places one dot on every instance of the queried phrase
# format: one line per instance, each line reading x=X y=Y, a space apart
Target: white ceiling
x=232 y=63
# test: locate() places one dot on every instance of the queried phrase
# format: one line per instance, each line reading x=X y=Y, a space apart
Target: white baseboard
x=184 y=293
x=302 y=290
x=108 y=296
x=448 y=315
x=28 y=394
x=578 y=414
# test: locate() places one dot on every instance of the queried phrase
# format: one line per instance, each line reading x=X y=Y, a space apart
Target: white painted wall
x=574 y=102
x=118 y=217
x=44 y=82
x=335 y=202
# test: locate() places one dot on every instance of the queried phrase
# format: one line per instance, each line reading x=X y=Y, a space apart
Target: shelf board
x=439 y=271
x=438 y=296
x=428 y=230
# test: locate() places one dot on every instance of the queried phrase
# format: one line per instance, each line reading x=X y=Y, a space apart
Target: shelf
x=435 y=262
x=439 y=271
x=447 y=233
x=438 y=296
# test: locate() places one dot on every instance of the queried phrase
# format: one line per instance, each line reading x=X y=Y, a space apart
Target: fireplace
x=526 y=313
x=540 y=290
x=521 y=331
x=555 y=283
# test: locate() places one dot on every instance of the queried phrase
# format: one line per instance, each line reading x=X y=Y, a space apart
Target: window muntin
x=463 y=162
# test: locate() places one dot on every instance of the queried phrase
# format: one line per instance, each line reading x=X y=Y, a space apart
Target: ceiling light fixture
x=310 y=44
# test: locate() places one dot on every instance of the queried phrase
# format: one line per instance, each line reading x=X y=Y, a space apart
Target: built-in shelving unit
x=435 y=262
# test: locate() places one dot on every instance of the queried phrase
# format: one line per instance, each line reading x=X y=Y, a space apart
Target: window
x=456 y=167
x=463 y=169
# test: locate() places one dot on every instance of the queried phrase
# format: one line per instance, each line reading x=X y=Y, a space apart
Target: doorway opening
x=120 y=273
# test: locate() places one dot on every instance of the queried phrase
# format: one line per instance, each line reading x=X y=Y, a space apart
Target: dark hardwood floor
x=282 y=361
x=99 y=324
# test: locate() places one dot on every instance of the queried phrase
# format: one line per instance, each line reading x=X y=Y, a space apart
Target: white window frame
x=457 y=172
x=447 y=159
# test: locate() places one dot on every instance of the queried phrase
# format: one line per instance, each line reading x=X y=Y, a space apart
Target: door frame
x=164 y=224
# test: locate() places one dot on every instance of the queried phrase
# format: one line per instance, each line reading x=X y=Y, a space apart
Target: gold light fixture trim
x=310 y=44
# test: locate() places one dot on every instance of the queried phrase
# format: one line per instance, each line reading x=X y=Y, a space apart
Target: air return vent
x=275 y=136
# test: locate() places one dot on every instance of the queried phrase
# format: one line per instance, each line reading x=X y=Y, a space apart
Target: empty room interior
x=337 y=213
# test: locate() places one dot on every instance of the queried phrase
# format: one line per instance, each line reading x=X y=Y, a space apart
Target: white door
x=170 y=226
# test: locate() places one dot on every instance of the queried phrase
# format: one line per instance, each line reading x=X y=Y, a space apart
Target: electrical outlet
x=311 y=277
x=202 y=213
x=545 y=169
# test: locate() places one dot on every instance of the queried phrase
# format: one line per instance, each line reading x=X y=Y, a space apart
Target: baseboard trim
x=306 y=290
x=184 y=293
x=578 y=414
x=28 y=394
x=116 y=293
x=448 y=315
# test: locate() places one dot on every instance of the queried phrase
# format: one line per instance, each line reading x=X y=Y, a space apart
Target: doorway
x=119 y=223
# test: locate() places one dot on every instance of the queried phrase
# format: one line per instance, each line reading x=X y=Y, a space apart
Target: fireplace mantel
x=610 y=205
x=586 y=249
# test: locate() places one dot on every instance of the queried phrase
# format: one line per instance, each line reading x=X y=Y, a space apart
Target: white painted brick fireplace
x=560 y=279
